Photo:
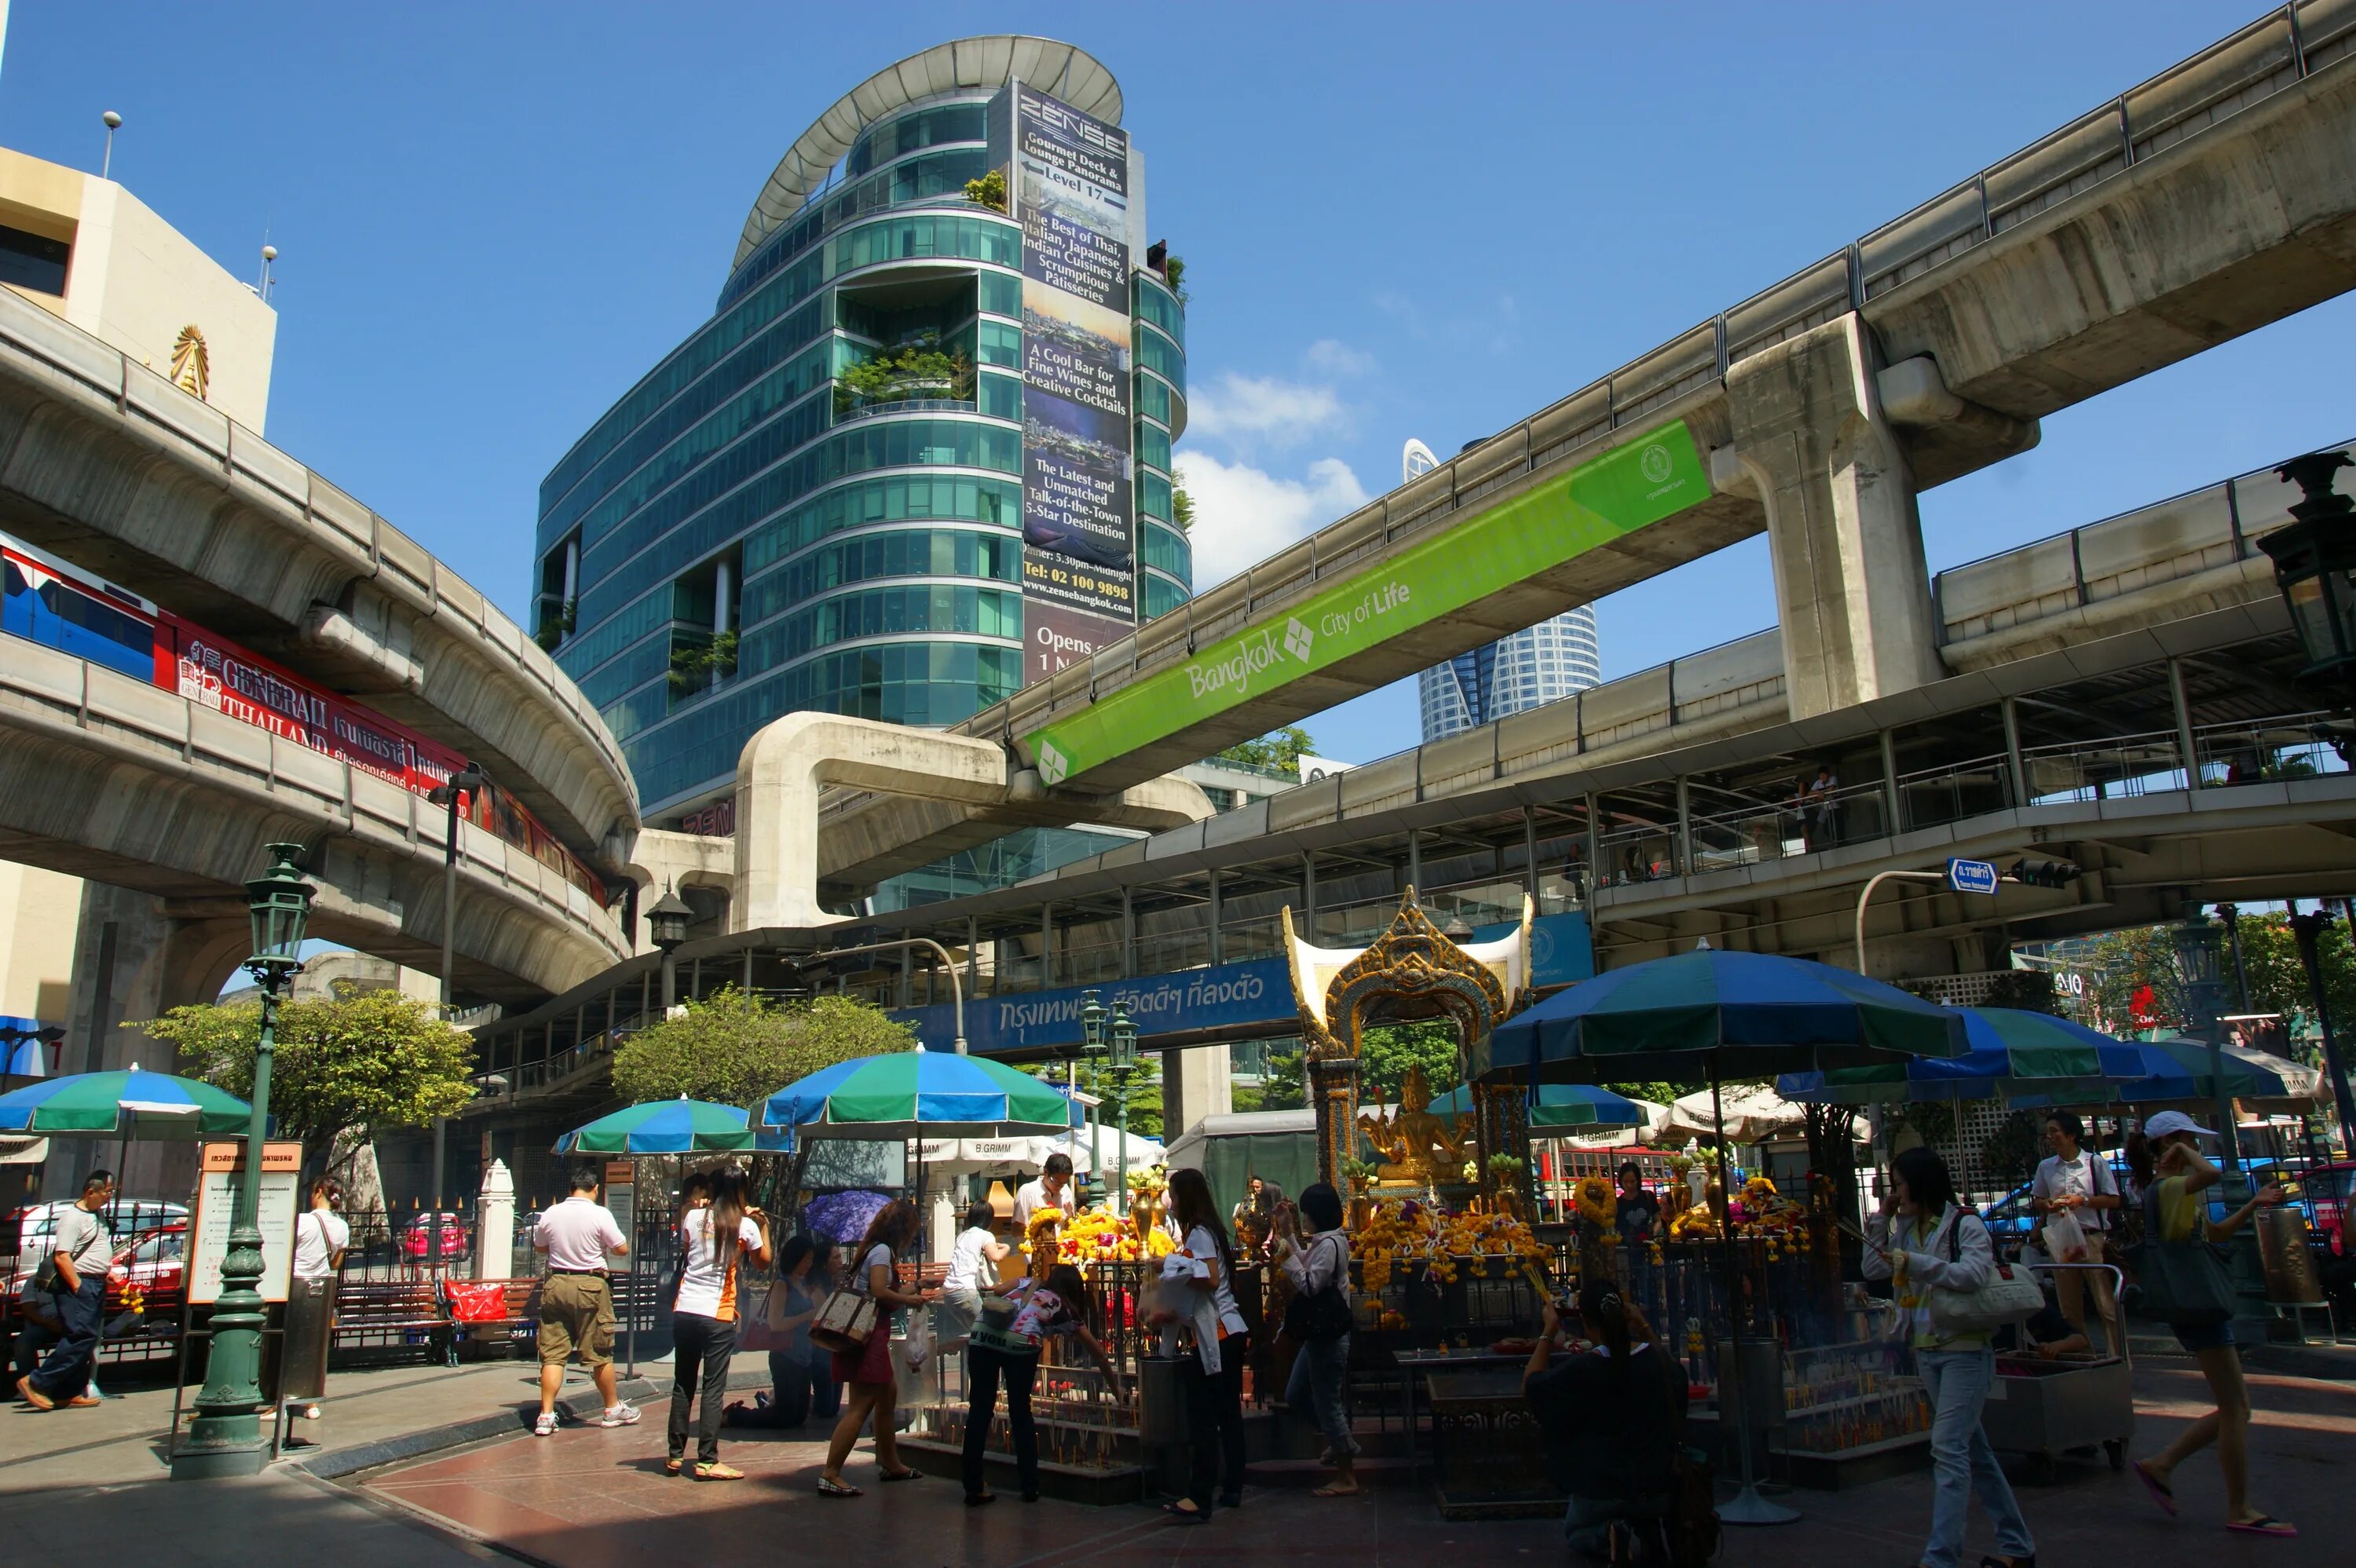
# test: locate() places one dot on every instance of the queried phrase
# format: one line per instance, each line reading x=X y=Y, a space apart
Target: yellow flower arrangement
x=1594 y=1200
x=1098 y=1235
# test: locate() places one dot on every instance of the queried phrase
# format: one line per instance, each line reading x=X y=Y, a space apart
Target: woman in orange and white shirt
x=716 y=1241
x=1215 y=1373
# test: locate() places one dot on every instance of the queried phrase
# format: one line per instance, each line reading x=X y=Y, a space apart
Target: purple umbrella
x=843 y=1216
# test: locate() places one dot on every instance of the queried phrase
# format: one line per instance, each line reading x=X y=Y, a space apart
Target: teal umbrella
x=1558 y=1108
x=918 y=1094
x=670 y=1126
x=2016 y=1054
x=127 y=1104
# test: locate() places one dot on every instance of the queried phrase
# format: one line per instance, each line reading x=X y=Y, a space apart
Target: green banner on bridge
x=1652 y=477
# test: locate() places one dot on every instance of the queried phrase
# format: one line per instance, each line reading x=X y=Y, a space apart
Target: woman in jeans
x=874 y=1390
x=2173 y=1174
x=1319 y=1264
x=1920 y=1241
x=1214 y=1372
x=800 y=1380
x=715 y=1242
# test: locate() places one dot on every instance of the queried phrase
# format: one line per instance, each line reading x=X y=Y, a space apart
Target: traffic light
x=2043 y=873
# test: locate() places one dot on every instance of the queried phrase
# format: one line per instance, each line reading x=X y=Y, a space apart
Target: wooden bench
x=518 y=1322
x=393 y=1317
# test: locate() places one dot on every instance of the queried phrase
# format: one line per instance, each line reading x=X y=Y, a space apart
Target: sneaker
x=623 y=1415
x=546 y=1426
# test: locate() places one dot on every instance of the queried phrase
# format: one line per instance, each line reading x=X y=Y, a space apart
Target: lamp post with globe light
x=225 y=1437
x=1115 y=1035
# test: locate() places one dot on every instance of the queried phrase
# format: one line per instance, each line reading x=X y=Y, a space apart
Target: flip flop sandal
x=2267 y=1524
x=1184 y=1515
x=827 y=1488
x=718 y=1472
x=673 y=1466
x=2162 y=1495
x=905 y=1476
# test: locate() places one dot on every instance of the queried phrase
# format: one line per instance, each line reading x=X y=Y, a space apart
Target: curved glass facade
x=816 y=501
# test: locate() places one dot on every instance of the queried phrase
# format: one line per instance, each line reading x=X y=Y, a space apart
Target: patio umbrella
x=1710 y=1012
x=918 y=1094
x=842 y=1217
x=2261 y=1081
x=2027 y=1058
x=1558 y=1108
x=126 y=1104
x=1745 y=1114
x=671 y=1126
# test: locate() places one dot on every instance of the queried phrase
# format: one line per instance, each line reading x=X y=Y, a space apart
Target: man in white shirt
x=1052 y=1190
x=576 y=1305
x=2077 y=1181
x=82 y=1247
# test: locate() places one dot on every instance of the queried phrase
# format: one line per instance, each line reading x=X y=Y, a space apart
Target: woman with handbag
x=1214 y=1372
x=1318 y=1321
x=799 y=1379
x=2076 y=1192
x=862 y=1351
x=2186 y=1286
x=1927 y=1246
x=1004 y=1347
x=715 y=1242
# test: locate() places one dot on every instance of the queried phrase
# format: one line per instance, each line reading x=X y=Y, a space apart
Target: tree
x=1284 y=1082
x=2277 y=979
x=1182 y=507
x=989 y=191
x=2135 y=982
x=1145 y=1106
x=1279 y=750
x=736 y=1048
x=354 y=1061
x=1387 y=1050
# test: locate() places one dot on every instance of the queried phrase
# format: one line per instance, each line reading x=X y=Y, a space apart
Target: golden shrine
x=1411 y=971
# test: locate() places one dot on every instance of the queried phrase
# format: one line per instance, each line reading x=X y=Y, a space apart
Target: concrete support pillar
x=1851 y=590
x=495 y=1223
x=1196 y=1083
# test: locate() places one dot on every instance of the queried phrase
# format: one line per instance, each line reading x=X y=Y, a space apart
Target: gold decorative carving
x=192 y=362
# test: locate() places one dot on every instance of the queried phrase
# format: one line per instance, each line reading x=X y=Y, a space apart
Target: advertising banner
x=1654 y=476
x=1053 y=636
x=1068 y=186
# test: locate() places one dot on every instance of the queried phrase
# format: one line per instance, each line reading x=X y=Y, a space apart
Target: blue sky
x=1398 y=220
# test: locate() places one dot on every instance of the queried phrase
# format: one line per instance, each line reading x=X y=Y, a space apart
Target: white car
x=35 y=1223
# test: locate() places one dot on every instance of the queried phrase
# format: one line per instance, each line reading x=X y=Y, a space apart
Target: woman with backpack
x=1318 y=1321
x=2173 y=1174
x=1060 y=1309
x=1922 y=1241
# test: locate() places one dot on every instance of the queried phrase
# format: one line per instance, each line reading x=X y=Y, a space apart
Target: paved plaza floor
x=599 y=1499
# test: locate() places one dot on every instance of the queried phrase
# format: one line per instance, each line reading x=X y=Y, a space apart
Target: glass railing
x=860 y=410
x=2271 y=751
x=2121 y=768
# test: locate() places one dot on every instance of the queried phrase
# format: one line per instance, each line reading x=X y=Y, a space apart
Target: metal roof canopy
x=1063 y=70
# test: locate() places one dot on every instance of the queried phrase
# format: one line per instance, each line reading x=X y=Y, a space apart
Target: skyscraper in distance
x=1541 y=663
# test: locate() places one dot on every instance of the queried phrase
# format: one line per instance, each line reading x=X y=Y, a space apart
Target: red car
x=2332 y=1189
x=417 y=1242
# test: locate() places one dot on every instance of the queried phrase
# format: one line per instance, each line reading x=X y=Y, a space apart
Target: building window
x=31 y=261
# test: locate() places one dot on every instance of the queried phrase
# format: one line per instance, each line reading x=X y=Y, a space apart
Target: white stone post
x=495 y=1223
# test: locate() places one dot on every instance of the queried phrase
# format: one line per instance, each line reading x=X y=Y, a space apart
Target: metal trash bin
x=1161 y=1401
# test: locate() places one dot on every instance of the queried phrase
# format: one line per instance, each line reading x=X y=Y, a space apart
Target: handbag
x=2007 y=1297
x=1319 y=1317
x=994 y=1329
x=2185 y=1283
x=846 y=1321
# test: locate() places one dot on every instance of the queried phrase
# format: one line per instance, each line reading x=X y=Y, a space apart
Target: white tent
x=1753 y=1111
x=1025 y=1156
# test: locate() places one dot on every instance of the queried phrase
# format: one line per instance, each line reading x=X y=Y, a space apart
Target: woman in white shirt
x=715 y=1242
x=2077 y=1181
x=321 y=1237
x=973 y=1261
x=1215 y=1373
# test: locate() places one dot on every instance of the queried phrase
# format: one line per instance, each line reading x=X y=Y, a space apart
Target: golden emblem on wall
x=192 y=362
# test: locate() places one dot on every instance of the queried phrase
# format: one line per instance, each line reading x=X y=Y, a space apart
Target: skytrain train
x=65 y=607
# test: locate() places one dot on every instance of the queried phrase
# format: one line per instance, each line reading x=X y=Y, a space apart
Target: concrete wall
x=37 y=960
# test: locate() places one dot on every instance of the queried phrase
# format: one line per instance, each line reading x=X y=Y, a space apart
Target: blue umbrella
x=673 y=1127
x=918 y=1094
x=1558 y=1107
x=842 y=1216
x=2027 y=1058
x=1710 y=1012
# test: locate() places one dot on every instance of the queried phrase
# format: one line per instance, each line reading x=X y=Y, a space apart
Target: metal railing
x=2118 y=768
x=2270 y=750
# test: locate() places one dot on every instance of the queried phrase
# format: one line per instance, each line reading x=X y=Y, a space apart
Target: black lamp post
x=454 y=794
x=2315 y=566
x=225 y=1437
x=2199 y=943
x=2306 y=929
x=667 y=925
x=1115 y=1035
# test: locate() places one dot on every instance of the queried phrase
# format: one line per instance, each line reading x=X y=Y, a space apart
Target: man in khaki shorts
x=576 y=1305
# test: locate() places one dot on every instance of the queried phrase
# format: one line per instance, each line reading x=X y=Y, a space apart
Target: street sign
x=220 y=1167
x=1972 y=876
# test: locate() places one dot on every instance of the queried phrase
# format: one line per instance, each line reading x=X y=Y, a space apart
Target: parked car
x=34 y=1224
x=417 y=1242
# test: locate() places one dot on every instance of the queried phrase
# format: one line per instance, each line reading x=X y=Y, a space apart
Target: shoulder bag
x=844 y=1322
x=1322 y=1316
x=2010 y=1296
x=2185 y=1285
x=994 y=1329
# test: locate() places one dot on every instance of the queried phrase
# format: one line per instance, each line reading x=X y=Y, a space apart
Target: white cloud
x=1244 y=514
x=1246 y=408
x=1338 y=359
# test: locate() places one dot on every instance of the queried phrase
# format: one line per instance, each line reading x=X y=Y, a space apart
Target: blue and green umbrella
x=918 y=1093
x=126 y=1104
x=1735 y=1014
x=672 y=1126
x=2020 y=1056
x=1556 y=1108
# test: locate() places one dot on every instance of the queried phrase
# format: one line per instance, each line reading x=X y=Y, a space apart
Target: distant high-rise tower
x=1542 y=664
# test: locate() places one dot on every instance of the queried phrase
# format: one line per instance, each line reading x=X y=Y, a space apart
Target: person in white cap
x=2173 y=1173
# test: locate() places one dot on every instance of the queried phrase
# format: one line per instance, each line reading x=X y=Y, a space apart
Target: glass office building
x=817 y=501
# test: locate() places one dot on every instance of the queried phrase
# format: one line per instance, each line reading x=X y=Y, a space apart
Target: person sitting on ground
x=1613 y=1419
x=799 y=1373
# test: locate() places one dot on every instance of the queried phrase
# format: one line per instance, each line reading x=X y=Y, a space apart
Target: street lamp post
x=667 y=928
x=2315 y=566
x=2199 y=945
x=225 y=1436
x=460 y=788
x=2307 y=929
x=1114 y=1034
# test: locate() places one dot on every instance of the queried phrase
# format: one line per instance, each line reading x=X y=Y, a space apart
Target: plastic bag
x=2066 y=1239
x=916 y=1347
